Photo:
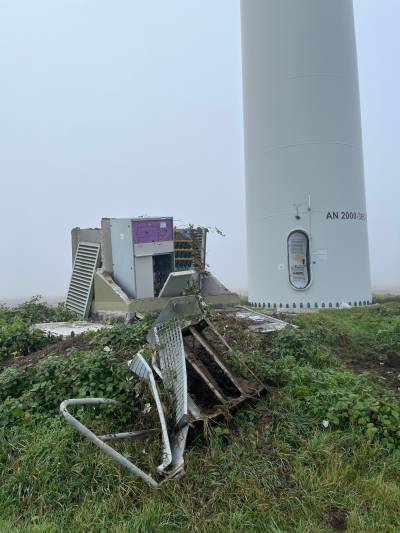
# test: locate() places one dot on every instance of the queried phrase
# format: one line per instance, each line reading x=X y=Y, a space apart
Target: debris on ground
x=189 y=369
x=263 y=323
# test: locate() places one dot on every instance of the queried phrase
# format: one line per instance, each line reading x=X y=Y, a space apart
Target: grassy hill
x=319 y=452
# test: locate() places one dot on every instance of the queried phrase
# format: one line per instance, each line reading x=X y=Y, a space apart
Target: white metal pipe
x=96 y=440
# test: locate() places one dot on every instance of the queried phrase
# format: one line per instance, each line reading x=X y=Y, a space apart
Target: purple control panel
x=154 y=230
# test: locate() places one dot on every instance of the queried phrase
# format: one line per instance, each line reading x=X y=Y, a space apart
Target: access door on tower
x=299 y=259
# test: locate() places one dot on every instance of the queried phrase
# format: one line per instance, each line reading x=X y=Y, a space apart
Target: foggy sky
x=134 y=107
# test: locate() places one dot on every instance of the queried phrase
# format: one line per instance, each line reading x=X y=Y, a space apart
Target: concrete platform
x=66 y=329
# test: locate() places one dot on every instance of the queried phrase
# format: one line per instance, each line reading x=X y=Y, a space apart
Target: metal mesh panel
x=172 y=364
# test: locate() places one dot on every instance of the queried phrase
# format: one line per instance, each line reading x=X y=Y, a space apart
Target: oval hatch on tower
x=299 y=259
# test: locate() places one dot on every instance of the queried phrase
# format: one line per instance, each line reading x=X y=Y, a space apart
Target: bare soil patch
x=384 y=369
x=338 y=519
x=80 y=342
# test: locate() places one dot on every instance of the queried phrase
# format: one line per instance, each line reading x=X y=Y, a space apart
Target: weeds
x=18 y=338
x=41 y=388
x=303 y=363
x=321 y=452
x=16 y=335
x=36 y=310
x=124 y=338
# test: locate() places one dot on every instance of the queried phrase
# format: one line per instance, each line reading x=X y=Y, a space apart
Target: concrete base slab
x=66 y=329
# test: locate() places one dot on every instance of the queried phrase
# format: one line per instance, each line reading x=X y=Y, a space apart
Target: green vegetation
x=36 y=310
x=383 y=298
x=124 y=338
x=320 y=452
x=17 y=337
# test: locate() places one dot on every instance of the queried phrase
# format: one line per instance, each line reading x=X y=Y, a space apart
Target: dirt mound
x=80 y=342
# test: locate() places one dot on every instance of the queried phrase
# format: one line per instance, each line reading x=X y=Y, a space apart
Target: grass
x=271 y=467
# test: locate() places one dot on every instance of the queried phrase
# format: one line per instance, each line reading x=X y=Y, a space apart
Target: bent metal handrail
x=99 y=440
x=139 y=366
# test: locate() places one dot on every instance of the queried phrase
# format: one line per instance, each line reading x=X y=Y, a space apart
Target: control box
x=142 y=253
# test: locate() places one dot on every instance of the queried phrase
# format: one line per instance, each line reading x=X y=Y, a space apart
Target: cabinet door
x=144 y=277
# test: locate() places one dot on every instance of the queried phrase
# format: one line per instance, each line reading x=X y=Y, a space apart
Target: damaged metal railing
x=197 y=384
x=100 y=440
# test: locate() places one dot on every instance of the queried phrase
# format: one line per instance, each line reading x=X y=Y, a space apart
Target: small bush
x=16 y=335
x=303 y=345
x=41 y=388
x=124 y=337
x=18 y=338
x=13 y=381
x=376 y=417
x=35 y=310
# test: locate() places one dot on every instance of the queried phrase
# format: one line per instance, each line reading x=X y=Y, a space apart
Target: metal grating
x=80 y=290
x=173 y=365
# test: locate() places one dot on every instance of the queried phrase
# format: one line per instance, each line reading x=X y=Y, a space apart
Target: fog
x=134 y=108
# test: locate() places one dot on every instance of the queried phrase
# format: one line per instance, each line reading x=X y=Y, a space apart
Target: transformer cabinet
x=142 y=252
x=132 y=265
x=305 y=200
